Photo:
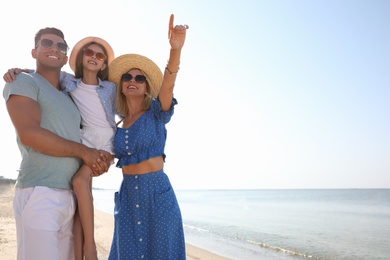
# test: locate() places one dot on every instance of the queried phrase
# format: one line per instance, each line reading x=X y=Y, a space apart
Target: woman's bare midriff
x=151 y=165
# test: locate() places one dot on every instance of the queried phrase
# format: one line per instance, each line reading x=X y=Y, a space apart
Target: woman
x=148 y=222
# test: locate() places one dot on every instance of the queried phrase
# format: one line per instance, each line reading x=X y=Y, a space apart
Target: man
x=47 y=123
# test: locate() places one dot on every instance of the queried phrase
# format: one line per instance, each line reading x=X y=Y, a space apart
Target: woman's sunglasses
x=139 y=78
x=100 y=56
x=47 y=43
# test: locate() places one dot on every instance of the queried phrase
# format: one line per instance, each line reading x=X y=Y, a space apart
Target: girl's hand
x=177 y=34
x=9 y=76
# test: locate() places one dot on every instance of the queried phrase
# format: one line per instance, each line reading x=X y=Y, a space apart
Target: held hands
x=177 y=34
x=104 y=163
x=97 y=161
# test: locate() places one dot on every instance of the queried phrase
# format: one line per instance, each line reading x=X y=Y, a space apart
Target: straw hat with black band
x=126 y=62
x=91 y=39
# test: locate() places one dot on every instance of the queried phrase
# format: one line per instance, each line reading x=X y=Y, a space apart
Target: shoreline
x=104 y=227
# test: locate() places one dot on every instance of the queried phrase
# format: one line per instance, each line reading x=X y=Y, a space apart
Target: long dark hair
x=78 y=73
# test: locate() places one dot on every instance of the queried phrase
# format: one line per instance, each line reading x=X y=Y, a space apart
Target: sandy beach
x=104 y=225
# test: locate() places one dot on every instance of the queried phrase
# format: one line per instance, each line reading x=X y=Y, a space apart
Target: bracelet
x=170 y=72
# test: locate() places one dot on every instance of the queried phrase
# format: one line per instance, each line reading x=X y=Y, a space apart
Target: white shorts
x=101 y=138
x=44 y=223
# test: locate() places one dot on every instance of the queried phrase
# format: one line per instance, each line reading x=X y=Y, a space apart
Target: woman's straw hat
x=126 y=62
x=76 y=49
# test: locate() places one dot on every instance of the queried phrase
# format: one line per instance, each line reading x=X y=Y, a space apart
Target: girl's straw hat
x=77 y=48
x=126 y=62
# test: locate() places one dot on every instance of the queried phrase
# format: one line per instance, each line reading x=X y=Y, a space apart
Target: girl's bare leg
x=78 y=237
x=82 y=186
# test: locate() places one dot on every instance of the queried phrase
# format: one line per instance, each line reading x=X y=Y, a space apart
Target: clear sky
x=272 y=94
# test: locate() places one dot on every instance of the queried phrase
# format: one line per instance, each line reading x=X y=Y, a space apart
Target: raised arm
x=176 y=36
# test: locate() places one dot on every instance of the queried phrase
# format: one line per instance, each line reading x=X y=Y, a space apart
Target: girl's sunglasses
x=47 y=43
x=139 y=78
x=100 y=56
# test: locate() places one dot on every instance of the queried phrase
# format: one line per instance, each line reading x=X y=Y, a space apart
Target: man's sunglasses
x=47 y=43
x=100 y=56
x=139 y=78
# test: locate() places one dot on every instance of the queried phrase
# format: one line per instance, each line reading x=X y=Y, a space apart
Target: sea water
x=283 y=224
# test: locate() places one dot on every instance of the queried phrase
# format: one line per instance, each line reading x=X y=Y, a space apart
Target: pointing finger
x=170 y=25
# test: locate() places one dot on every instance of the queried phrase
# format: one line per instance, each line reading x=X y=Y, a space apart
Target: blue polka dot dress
x=148 y=222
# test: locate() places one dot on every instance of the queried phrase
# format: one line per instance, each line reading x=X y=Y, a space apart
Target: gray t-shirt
x=59 y=115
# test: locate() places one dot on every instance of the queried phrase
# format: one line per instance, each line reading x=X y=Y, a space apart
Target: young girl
x=95 y=98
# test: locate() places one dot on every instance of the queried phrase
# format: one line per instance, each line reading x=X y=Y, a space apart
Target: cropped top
x=145 y=138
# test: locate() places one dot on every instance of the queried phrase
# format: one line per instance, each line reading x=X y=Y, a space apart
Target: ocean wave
x=279 y=249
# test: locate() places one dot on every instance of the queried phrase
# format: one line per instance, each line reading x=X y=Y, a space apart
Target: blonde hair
x=120 y=99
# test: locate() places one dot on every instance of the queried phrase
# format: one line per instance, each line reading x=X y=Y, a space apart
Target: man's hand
x=97 y=161
x=106 y=158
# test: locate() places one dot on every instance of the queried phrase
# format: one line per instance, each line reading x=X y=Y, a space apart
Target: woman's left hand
x=176 y=34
